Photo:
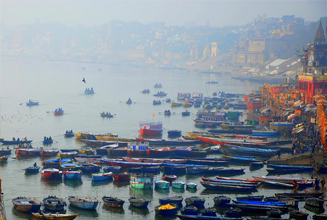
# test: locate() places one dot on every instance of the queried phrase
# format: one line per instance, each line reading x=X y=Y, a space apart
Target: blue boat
x=174 y=170
x=247 y=151
x=32 y=102
x=102 y=176
x=242 y=160
x=227 y=187
x=32 y=169
x=72 y=174
x=264 y=133
x=292 y=168
x=196 y=201
x=69 y=134
x=114 y=169
x=15 y=142
x=138 y=203
x=135 y=170
x=69 y=166
x=91 y=168
x=141 y=181
x=177 y=184
x=221 y=200
x=161 y=184
x=224 y=171
x=83 y=203
x=197 y=170
x=173 y=199
x=151 y=169
x=48 y=141
x=166 y=210
x=189 y=210
x=201 y=217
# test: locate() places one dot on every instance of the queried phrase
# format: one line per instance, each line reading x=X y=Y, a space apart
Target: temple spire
x=320 y=37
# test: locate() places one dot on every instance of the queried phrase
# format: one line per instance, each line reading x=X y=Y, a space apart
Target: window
x=320 y=85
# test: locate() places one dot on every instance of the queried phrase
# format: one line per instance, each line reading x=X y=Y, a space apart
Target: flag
x=153 y=115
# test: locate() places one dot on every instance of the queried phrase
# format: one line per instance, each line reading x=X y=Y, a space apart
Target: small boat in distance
x=58 y=111
x=212 y=82
x=32 y=102
x=146 y=91
x=150 y=128
x=89 y=91
x=129 y=101
x=106 y=115
x=160 y=94
x=69 y=134
x=157 y=85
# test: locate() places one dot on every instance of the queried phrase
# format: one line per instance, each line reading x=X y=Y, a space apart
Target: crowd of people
x=47 y=139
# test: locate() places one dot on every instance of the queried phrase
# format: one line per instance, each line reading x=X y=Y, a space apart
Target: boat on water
x=248 y=152
x=4 y=152
x=265 y=132
x=190 y=185
x=242 y=159
x=282 y=179
x=89 y=91
x=124 y=164
x=72 y=174
x=129 y=101
x=160 y=94
x=141 y=181
x=113 y=202
x=173 y=199
x=51 y=174
x=169 y=142
x=69 y=134
x=299 y=195
x=32 y=169
x=25 y=204
x=121 y=177
x=83 y=202
x=156 y=102
x=169 y=178
x=54 y=204
x=161 y=184
x=174 y=133
x=167 y=112
x=212 y=82
x=113 y=169
x=106 y=115
x=186 y=113
x=315 y=202
x=176 y=104
x=250 y=137
x=169 y=209
x=177 y=184
x=145 y=91
x=138 y=203
x=150 y=128
x=69 y=166
x=196 y=201
x=32 y=102
x=285 y=168
x=282 y=185
x=15 y=142
x=28 y=152
x=3 y=159
x=157 y=85
x=49 y=152
x=58 y=111
x=228 y=187
x=102 y=176
x=54 y=216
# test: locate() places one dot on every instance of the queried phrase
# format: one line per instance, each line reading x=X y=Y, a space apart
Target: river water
x=59 y=84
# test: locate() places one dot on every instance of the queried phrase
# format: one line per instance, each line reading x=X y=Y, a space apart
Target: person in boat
x=25 y=138
x=13 y=139
x=35 y=164
x=50 y=139
x=17 y=139
x=45 y=138
x=71 y=131
x=107 y=113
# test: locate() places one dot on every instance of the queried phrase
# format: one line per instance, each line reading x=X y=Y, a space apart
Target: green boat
x=233 y=115
x=141 y=181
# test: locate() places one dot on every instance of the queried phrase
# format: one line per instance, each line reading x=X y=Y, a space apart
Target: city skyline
x=216 y=13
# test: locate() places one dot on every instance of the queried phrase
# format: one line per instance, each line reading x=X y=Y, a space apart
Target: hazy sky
x=172 y=12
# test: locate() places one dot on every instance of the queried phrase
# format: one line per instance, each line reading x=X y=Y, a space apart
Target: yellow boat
x=176 y=104
x=189 y=138
x=3 y=159
x=56 y=216
x=110 y=138
x=187 y=104
x=204 y=135
x=83 y=135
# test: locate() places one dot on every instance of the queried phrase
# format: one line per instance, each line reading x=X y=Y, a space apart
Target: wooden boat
x=56 y=216
x=199 y=217
x=5 y=142
x=150 y=128
x=173 y=199
x=221 y=200
x=302 y=185
x=224 y=171
x=54 y=204
x=25 y=204
x=274 y=213
x=259 y=207
x=169 y=142
x=177 y=184
x=174 y=133
x=233 y=213
x=186 y=113
x=113 y=202
x=32 y=169
x=282 y=179
x=91 y=168
x=234 y=142
x=256 y=165
x=169 y=178
x=113 y=169
x=3 y=159
x=190 y=185
x=138 y=203
x=151 y=169
x=237 y=179
x=28 y=152
x=49 y=152
x=141 y=181
x=242 y=159
x=161 y=184
x=208 y=162
x=196 y=170
x=124 y=164
x=156 y=102
x=291 y=168
x=299 y=195
x=189 y=210
x=122 y=177
x=167 y=112
x=247 y=151
x=102 y=176
x=146 y=91
x=69 y=166
x=314 y=202
x=32 y=103
x=196 y=201
x=166 y=210
x=47 y=141
x=250 y=198
x=69 y=134
x=296 y=214
x=51 y=174
x=208 y=212
x=4 y=152
x=232 y=182
x=176 y=104
x=250 y=137
x=154 y=160
x=135 y=170
x=227 y=187
x=83 y=202
x=72 y=174
x=319 y=217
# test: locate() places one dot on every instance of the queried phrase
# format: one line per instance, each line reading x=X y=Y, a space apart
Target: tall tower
x=319 y=37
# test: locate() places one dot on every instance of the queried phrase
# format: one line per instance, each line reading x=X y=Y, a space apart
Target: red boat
x=58 y=111
x=51 y=174
x=28 y=152
x=250 y=137
x=169 y=178
x=223 y=142
x=150 y=128
x=237 y=179
x=122 y=177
